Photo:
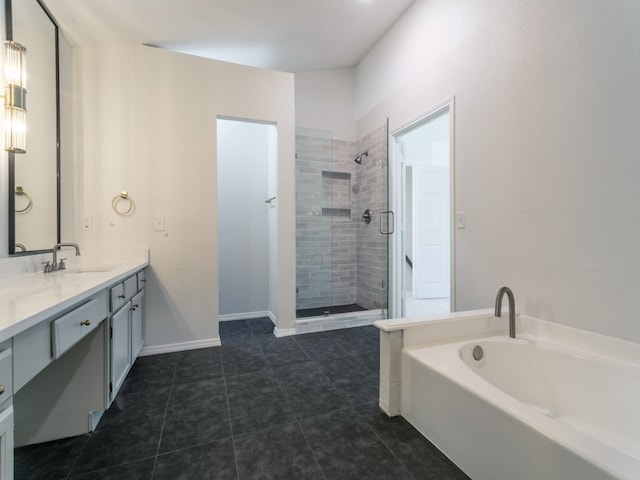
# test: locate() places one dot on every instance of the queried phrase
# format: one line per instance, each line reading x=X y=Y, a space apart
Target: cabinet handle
x=143 y=280
x=135 y=307
x=121 y=296
x=86 y=322
x=1 y=389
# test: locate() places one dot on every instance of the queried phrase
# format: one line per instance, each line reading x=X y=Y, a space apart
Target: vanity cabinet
x=120 y=349
x=126 y=329
x=67 y=337
x=6 y=412
x=35 y=348
x=137 y=324
x=59 y=373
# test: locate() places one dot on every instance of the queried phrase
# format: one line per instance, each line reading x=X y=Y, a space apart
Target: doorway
x=247 y=156
x=423 y=166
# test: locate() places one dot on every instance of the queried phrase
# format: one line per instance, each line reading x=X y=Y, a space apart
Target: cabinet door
x=6 y=444
x=120 y=348
x=137 y=324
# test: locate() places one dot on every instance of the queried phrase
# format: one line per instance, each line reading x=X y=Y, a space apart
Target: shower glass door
x=341 y=260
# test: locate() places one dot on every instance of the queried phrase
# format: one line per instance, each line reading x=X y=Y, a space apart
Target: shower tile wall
x=371 y=257
x=325 y=230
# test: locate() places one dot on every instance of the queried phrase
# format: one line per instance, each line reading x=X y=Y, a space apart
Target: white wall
x=325 y=101
x=146 y=123
x=243 y=217
x=546 y=113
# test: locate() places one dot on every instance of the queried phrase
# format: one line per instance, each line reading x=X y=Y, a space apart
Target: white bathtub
x=554 y=403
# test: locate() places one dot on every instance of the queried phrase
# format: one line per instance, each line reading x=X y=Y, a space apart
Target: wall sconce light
x=15 y=97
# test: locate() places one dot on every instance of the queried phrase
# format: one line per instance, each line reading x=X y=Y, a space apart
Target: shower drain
x=478 y=353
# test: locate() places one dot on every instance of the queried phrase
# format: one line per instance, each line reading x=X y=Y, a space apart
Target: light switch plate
x=87 y=222
x=460 y=220
x=158 y=223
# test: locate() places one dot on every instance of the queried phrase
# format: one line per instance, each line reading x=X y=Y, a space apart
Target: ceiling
x=287 y=35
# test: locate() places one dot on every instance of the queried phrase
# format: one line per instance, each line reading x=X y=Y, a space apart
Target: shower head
x=360 y=157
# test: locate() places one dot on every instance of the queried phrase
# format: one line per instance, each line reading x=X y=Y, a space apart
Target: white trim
x=285 y=332
x=397 y=278
x=245 y=316
x=94 y=418
x=341 y=320
x=179 y=347
x=415 y=122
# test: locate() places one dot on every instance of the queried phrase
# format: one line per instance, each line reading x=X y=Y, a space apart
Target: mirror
x=34 y=198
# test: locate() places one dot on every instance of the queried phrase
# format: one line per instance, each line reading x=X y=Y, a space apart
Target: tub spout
x=512 y=309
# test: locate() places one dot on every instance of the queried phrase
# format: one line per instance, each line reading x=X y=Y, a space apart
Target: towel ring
x=123 y=196
x=21 y=192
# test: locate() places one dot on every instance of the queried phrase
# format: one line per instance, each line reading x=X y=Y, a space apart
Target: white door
x=431 y=231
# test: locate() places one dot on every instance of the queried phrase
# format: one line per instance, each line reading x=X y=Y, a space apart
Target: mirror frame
x=11 y=156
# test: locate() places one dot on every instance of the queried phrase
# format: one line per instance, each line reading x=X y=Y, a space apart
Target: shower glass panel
x=341 y=261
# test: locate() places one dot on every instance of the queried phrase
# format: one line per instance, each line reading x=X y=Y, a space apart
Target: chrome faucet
x=61 y=265
x=512 y=309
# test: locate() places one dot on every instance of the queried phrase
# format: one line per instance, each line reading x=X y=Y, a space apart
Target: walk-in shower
x=341 y=261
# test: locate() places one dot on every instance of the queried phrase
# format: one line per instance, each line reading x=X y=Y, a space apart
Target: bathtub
x=553 y=403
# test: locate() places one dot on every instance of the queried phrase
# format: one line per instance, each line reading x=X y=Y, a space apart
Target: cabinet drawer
x=130 y=287
x=141 y=279
x=117 y=296
x=120 y=293
x=6 y=374
x=72 y=327
x=31 y=353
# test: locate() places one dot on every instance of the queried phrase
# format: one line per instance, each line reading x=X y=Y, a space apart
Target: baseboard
x=284 y=332
x=340 y=320
x=94 y=418
x=245 y=316
x=179 y=347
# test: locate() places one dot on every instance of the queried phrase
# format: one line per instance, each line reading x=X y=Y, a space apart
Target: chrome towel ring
x=128 y=204
x=21 y=192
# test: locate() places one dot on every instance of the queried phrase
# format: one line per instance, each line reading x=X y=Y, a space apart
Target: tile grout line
x=75 y=461
x=297 y=420
x=164 y=419
x=382 y=441
x=226 y=397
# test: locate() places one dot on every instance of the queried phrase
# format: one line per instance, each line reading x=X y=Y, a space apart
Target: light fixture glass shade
x=15 y=97
x=15 y=64
x=15 y=129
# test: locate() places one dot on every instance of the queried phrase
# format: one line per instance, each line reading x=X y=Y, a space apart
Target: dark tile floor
x=259 y=407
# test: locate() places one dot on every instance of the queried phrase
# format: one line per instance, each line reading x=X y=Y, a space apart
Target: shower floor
x=317 y=312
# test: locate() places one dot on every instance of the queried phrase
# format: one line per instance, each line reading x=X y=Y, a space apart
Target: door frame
x=397 y=204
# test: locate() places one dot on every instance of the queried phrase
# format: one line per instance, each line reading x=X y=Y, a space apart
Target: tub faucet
x=512 y=309
x=61 y=266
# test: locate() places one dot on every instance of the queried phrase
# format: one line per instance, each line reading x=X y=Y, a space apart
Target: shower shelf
x=336 y=175
x=336 y=212
x=336 y=192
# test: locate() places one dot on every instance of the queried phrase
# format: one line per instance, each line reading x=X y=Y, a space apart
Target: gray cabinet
x=137 y=323
x=120 y=348
x=126 y=334
x=6 y=413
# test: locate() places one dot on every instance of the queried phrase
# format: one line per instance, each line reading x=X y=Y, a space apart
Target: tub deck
x=492 y=434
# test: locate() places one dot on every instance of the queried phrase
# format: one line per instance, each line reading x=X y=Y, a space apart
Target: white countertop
x=27 y=300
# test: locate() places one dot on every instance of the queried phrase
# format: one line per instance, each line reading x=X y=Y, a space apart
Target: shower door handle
x=390 y=225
